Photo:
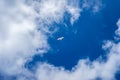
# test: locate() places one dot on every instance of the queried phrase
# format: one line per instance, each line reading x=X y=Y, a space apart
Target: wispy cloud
x=60 y=38
x=93 y=5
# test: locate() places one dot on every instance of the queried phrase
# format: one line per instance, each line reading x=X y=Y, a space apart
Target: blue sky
x=85 y=37
x=59 y=40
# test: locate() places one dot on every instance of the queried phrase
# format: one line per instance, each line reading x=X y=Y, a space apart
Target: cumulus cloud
x=23 y=28
x=18 y=36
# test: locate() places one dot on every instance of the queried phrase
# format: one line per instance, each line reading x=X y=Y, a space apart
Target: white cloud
x=93 y=5
x=74 y=11
x=50 y=11
x=60 y=38
x=20 y=38
x=118 y=30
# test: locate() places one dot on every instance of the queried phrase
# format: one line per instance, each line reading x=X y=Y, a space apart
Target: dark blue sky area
x=85 y=38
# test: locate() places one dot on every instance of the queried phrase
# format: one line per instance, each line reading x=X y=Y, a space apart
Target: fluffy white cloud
x=23 y=27
x=18 y=36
